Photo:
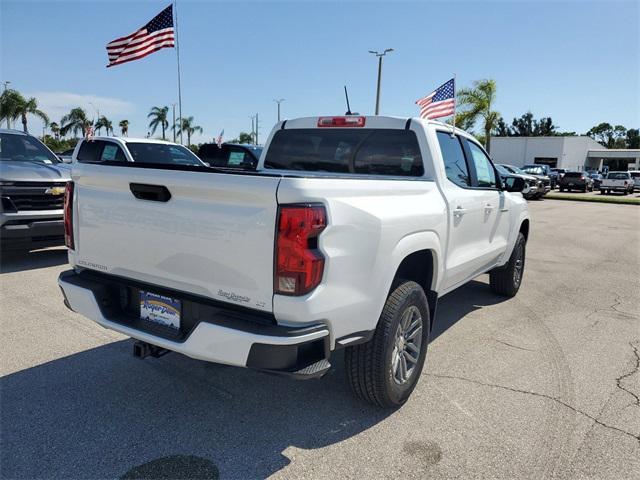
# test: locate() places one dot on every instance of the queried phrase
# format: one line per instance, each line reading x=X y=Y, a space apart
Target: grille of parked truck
x=345 y=236
x=32 y=185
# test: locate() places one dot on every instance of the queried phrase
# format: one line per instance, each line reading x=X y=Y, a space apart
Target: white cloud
x=58 y=104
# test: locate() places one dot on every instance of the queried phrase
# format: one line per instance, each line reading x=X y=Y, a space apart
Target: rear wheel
x=506 y=280
x=385 y=370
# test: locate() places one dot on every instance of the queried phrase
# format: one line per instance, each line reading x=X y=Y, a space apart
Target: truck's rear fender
x=372 y=225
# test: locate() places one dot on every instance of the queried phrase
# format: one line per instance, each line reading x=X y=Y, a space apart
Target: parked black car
x=230 y=155
x=557 y=174
x=576 y=181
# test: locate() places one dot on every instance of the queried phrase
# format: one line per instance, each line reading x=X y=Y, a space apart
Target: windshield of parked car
x=24 y=148
x=503 y=170
x=370 y=151
x=635 y=174
x=517 y=170
x=618 y=176
x=533 y=170
x=162 y=153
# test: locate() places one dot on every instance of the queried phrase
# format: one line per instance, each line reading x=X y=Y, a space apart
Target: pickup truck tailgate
x=214 y=236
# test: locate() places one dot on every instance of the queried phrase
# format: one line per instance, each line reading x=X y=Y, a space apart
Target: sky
x=577 y=62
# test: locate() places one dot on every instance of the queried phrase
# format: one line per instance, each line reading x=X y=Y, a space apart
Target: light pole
x=279 y=101
x=379 y=55
x=6 y=83
x=173 y=106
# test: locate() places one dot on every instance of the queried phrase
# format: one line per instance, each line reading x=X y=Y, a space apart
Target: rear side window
x=344 y=150
x=455 y=165
x=112 y=153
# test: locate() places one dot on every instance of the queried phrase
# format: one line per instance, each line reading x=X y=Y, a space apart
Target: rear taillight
x=299 y=264
x=341 y=121
x=68 y=216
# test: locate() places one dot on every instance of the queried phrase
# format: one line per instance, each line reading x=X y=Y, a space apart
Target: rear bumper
x=214 y=333
x=31 y=230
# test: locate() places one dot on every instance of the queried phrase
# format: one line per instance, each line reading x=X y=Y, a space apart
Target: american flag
x=156 y=34
x=219 y=139
x=439 y=103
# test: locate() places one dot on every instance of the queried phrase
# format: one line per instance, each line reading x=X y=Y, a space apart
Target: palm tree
x=55 y=129
x=124 y=127
x=75 y=121
x=14 y=106
x=186 y=125
x=476 y=103
x=104 y=122
x=158 y=116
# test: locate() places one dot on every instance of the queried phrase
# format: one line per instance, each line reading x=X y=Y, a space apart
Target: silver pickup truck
x=32 y=186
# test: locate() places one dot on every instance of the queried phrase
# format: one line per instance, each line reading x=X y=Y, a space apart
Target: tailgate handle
x=154 y=193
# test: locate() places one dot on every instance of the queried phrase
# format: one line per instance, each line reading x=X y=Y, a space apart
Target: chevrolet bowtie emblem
x=54 y=191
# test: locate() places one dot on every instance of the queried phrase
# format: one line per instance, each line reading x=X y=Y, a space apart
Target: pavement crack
x=513 y=346
x=541 y=395
x=633 y=371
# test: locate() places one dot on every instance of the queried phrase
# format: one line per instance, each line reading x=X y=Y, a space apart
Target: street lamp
x=379 y=55
x=279 y=101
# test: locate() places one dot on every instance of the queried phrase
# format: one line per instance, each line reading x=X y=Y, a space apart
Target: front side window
x=485 y=173
x=455 y=164
x=346 y=150
x=161 y=153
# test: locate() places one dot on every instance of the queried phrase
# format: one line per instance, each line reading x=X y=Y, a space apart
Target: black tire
x=561 y=189
x=370 y=366
x=506 y=280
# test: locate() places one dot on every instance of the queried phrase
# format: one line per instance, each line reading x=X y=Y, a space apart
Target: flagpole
x=175 y=12
x=455 y=104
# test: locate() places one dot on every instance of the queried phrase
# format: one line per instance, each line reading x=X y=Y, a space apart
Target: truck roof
x=371 y=121
x=133 y=139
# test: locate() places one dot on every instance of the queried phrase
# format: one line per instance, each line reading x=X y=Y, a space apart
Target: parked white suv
x=345 y=237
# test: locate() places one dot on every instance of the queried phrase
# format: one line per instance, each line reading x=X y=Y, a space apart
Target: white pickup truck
x=617 y=182
x=345 y=236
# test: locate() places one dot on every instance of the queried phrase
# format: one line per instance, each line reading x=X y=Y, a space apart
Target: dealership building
x=572 y=152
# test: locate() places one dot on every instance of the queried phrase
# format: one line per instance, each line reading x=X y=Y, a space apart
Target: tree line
x=476 y=109
x=15 y=107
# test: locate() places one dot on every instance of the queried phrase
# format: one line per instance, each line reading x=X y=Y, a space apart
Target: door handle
x=488 y=207
x=153 y=193
x=459 y=211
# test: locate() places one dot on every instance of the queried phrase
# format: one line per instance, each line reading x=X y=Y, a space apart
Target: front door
x=466 y=214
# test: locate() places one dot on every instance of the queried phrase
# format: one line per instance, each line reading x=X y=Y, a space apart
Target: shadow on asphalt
x=462 y=301
x=101 y=413
x=21 y=261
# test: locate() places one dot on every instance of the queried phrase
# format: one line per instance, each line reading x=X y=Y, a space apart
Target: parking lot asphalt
x=542 y=385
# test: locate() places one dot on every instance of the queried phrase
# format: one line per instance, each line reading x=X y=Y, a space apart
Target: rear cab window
x=370 y=151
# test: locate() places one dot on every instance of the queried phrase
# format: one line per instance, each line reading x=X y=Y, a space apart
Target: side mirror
x=513 y=184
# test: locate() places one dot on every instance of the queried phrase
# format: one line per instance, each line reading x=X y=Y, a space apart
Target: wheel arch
x=417 y=258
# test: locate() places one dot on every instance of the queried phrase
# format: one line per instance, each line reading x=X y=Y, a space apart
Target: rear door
x=205 y=233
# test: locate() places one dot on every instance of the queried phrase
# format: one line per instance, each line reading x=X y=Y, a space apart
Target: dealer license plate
x=160 y=309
